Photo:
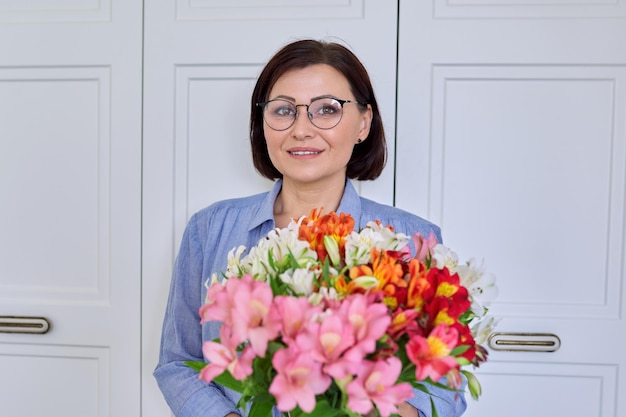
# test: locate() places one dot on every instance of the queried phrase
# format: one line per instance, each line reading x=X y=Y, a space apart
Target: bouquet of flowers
x=321 y=320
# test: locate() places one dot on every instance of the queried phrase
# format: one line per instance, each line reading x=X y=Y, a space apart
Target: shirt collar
x=266 y=210
x=350 y=203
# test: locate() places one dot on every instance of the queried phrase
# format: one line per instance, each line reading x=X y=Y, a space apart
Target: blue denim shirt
x=210 y=234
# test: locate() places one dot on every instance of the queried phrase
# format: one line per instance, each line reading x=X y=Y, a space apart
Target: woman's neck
x=294 y=202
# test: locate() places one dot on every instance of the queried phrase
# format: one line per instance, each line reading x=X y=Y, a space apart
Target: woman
x=314 y=125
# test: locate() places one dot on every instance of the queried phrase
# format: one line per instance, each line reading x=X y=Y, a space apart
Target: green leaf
x=195 y=365
x=291 y=260
x=473 y=384
x=273 y=346
x=322 y=409
x=227 y=380
x=261 y=409
x=325 y=275
x=467 y=317
x=462 y=361
x=421 y=387
x=459 y=350
x=433 y=408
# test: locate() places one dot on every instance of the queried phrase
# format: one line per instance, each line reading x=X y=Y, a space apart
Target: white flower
x=234 y=266
x=267 y=258
x=359 y=245
x=480 y=284
x=212 y=280
x=483 y=328
x=257 y=264
x=300 y=280
x=387 y=239
x=358 y=248
x=323 y=293
x=281 y=242
x=442 y=256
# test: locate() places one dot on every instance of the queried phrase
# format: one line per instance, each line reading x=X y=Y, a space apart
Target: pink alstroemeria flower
x=254 y=317
x=222 y=358
x=424 y=246
x=375 y=384
x=298 y=381
x=221 y=299
x=432 y=354
x=217 y=305
x=369 y=320
x=327 y=341
x=295 y=313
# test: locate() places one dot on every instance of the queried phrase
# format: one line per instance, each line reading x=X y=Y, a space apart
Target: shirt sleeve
x=181 y=338
x=448 y=403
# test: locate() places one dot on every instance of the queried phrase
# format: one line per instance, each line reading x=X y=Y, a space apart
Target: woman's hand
x=407 y=410
x=404 y=409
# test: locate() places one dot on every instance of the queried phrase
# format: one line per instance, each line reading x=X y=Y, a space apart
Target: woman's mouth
x=299 y=153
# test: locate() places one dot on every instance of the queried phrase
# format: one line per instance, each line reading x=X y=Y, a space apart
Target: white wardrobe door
x=70 y=187
x=512 y=136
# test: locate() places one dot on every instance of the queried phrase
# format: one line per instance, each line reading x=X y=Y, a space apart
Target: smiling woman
x=312 y=160
x=336 y=73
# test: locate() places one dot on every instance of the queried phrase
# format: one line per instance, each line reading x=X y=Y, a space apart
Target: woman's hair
x=368 y=157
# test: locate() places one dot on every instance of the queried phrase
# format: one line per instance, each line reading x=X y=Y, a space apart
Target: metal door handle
x=524 y=342
x=33 y=325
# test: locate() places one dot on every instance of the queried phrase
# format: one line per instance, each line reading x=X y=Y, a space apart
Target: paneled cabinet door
x=201 y=62
x=511 y=136
x=70 y=189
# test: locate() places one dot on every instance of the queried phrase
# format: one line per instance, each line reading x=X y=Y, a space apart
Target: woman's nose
x=302 y=126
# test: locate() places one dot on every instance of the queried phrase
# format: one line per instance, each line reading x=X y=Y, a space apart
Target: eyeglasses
x=324 y=112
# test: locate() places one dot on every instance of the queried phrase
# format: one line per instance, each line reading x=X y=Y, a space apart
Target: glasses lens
x=325 y=113
x=279 y=114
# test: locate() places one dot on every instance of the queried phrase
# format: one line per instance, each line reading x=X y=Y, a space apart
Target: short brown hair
x=369 y=157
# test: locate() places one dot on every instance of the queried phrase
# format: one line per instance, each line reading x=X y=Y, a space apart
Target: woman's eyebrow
x=324 y=96
x=282 y=97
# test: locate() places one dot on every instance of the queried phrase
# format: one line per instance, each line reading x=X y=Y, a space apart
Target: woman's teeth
x=303 y=152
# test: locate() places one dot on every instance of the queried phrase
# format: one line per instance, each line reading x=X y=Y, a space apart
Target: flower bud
x=332 y=248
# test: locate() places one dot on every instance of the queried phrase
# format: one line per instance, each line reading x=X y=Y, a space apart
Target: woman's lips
x=304 y=152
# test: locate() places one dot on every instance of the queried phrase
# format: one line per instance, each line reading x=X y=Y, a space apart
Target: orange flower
x=417 y=284
x=386 y=269
x=341 y=286
x=314 y=227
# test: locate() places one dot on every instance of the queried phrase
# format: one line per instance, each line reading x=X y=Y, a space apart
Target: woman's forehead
x=311 y=81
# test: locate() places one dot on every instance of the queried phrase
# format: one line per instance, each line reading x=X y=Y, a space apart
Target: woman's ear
x=366 y=124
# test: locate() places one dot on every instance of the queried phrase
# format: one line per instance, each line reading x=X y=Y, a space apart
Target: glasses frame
x=341 y=102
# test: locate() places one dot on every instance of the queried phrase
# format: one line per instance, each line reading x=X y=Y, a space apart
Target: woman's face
x=304 y=154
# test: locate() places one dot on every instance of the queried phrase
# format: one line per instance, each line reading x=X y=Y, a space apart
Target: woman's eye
x=327 y=110
x=284 y=111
